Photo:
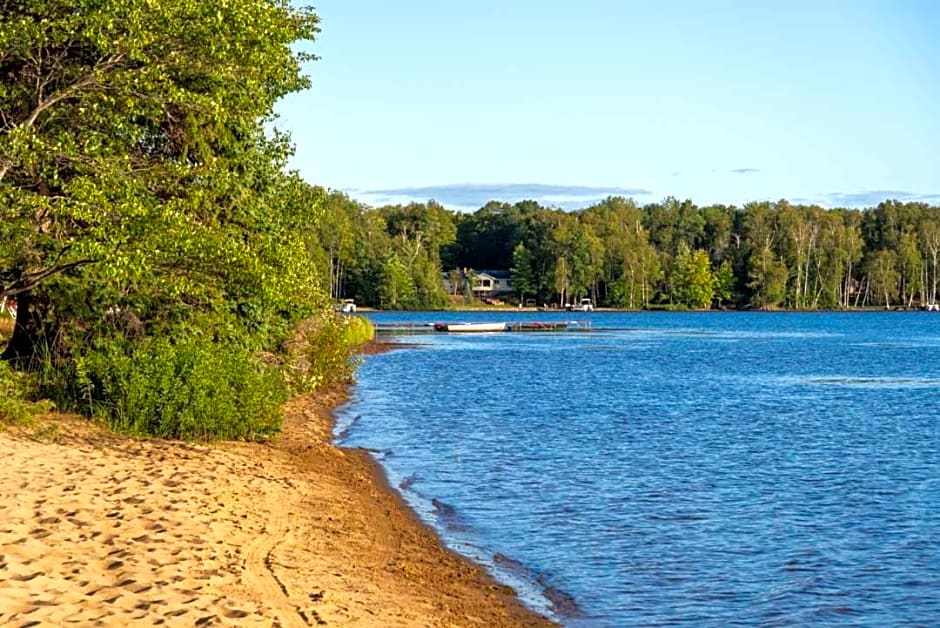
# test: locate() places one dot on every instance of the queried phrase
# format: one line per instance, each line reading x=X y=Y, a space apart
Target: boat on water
x=470 y=327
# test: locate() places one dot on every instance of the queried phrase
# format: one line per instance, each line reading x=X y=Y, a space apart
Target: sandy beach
x=98 y=529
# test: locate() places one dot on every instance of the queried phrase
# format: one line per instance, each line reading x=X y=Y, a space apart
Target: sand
x=97 y=529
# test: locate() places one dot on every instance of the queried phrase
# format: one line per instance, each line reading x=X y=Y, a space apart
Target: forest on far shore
x=671 y=254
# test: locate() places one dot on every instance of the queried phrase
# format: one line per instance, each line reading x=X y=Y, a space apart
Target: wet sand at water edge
x=97 y=529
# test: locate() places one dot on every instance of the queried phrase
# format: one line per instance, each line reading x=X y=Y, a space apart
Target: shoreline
x=655 y=310
x=105 y=528
x=529 y=588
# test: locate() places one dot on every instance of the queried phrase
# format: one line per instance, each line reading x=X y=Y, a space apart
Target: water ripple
x=678 y=470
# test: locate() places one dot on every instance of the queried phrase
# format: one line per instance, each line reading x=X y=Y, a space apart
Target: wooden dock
x=411 y=327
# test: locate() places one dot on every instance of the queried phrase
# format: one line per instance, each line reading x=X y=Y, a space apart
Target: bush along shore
x=192 y=387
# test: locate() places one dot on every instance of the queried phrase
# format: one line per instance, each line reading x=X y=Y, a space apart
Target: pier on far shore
x=424 y=327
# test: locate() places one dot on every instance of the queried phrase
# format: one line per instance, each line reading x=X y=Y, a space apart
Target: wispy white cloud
x=745 y=170
x=871 y=198
x=471 y=196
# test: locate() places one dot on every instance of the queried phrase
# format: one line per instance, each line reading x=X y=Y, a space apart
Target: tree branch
x=30 y=279
x=103 y=65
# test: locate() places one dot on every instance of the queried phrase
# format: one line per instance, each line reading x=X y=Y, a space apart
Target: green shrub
x=358 y=331
x=191 y=388
x=203 y=381
x=320 y=350
x=15 y=390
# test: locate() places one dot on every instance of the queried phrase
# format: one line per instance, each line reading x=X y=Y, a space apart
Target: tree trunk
x=632 y=289
x=849 y=283
x=26 y=331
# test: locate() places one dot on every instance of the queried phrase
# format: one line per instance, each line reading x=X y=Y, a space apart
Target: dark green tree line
x=763 y=255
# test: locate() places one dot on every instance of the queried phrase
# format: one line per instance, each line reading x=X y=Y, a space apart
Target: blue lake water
x=667 y=468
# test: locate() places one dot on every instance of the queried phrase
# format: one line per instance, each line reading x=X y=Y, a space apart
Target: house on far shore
x=486 y=283
x=493 y=283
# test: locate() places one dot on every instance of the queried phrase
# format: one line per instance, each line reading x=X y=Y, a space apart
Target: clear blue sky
x=828 y=101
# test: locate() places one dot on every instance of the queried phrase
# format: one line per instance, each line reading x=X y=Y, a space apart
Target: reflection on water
x=683 y=468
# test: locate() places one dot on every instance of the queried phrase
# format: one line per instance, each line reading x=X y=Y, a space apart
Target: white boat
x=348 y=306
x=586 y=305
x=470 y=327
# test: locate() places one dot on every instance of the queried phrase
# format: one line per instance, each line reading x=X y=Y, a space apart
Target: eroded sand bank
x=100 y=529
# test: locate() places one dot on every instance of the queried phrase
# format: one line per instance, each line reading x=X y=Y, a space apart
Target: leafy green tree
x=768 y=279
x=762 y=267
x=718 y=231
x=397 y=290
x=693 y=284
x=488 y=237
x=724 y=283
x=523 y=276
x=799 y=232
x=579 y=257
x=930 y=242
x=426 y=274
x=538 y=227
x=588 y=256
x=679 y=279
x=454 y=278
x=833 y=263
x=653 y=273
x=883 y=275
x=371 y=249
x=642 y=270
x=629 y=265
x=562 y=278
x=471 y=279
x=418 y=232
x=134 y=165
x=672 y=223
x=910 y=264
x=884 y=225
x=336 y=238
x=617 y=225
x=701 y=281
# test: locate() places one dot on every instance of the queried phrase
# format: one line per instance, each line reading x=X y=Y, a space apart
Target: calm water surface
x=698 y=469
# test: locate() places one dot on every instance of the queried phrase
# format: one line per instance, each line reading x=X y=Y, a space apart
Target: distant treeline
x=668 y=254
